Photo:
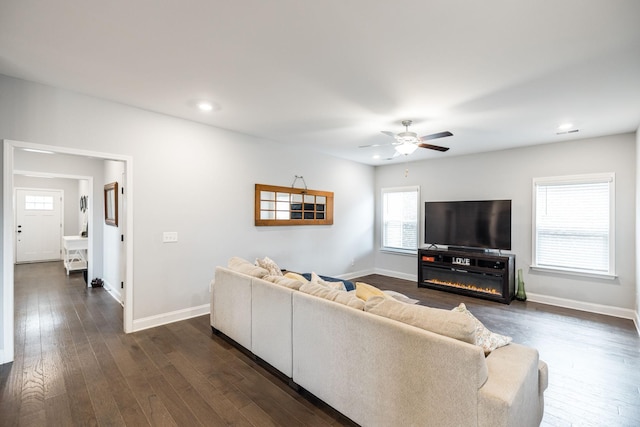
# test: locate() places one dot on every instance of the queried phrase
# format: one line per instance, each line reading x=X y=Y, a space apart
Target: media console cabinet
x=478 y=274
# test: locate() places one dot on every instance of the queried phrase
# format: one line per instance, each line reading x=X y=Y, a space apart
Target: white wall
x=71 y=198
x=508 y=174
x=113 y=249
x=199 y=181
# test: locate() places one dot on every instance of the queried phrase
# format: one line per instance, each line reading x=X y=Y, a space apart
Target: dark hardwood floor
x=75 y=366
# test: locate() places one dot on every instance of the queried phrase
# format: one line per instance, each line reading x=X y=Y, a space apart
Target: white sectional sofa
x=375 y=370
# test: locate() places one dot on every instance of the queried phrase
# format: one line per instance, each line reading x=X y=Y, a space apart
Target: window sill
x=605 y=276
x=406 y=252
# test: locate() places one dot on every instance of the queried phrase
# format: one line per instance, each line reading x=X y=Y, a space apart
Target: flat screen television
x=482 y=224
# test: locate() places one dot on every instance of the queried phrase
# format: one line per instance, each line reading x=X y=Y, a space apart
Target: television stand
x=466 y=249
x=473 y=273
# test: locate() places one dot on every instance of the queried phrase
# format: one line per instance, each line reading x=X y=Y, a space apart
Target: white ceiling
x=331 y=74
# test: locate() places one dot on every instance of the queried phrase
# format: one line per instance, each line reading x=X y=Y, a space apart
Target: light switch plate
x=169 y=237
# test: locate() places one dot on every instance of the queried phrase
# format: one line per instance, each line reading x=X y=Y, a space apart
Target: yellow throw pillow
x=364 y=291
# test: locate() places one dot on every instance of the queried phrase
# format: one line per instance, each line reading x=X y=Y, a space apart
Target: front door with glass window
x=38 y=225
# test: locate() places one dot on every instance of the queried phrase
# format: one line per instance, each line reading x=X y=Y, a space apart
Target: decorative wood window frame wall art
x=292 y=206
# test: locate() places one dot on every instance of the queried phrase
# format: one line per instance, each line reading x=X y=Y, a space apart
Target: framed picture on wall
x=111 y=204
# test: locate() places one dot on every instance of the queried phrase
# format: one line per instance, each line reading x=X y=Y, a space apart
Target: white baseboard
x=113 y=291
x=636 y=320
x=624 y=313
x=396 y=274
x=174 y=316
x=354 y=274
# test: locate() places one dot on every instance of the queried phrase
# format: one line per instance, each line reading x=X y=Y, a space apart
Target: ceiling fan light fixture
x=407 y=138
x=406 y=148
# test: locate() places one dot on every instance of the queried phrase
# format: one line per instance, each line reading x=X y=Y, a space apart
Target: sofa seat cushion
x=243 y=266
x=341 y=297
x=444 y=322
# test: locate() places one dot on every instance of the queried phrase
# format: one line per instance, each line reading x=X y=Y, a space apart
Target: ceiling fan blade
x=375 y=145
x=395 y=154
x=433 y=147
x=436 y=135
x=391 y=134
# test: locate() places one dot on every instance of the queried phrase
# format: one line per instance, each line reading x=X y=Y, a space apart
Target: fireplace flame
x=474 y=288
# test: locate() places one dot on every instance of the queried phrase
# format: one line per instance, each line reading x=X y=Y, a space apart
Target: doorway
x=8 y=248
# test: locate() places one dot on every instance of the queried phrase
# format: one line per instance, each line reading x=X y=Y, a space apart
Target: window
x=38 y=203
x=573 y=224
x=400 y=208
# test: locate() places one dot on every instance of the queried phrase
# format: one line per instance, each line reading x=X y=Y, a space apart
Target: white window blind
x=400 y=212
x=573 y=223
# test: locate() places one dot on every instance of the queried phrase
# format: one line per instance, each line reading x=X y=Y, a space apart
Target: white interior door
x=38 y=225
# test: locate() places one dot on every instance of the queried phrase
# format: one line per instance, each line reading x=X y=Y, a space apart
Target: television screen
x=474 y=224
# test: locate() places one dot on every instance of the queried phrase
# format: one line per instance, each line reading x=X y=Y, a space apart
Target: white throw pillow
x=245 y=267
x=331 y=285
x=486 y=339
x=269 y=265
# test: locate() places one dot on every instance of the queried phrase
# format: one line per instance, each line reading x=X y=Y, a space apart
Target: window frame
x=608 y=177
x=392 y=249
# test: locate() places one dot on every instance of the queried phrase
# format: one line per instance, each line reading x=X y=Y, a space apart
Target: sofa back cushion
x=444 y=322
x=342 y=297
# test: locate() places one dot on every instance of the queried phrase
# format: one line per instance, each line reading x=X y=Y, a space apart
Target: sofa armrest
x=543 y=376
x=512 y=395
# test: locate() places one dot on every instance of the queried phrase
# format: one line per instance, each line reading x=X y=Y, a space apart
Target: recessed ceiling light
x=376 y=156
x=205 y=106
x=565 y=126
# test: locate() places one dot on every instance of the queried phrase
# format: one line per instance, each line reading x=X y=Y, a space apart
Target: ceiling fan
x=407 y=142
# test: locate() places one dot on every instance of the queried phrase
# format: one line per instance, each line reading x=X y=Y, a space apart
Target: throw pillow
x=364 y=291
x=443 y=322
x=341 y=297
x=347 y=283
x=331 y=285
x=486 y=339
x=401 y=297
x=287 y=282
x=269 y=265
x=245 y=267
x=295 y=276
